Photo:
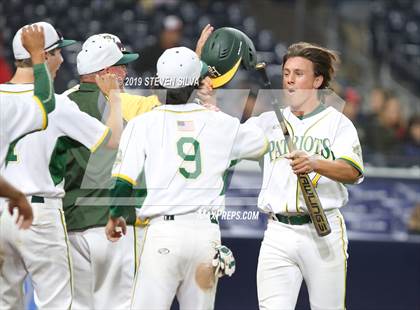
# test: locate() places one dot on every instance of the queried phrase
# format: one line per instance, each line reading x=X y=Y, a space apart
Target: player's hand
x=207 y=95
x=115 y=228
x=34 y=42
x=108 y=84
x=301 y=162
x=205 y=33
x=25 y=215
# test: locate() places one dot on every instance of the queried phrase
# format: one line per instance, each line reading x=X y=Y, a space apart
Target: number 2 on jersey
x=192 y=155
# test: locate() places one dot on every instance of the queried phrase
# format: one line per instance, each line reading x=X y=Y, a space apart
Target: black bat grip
x=260 y=67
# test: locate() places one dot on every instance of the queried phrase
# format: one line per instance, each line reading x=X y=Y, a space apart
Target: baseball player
x=132 y=105
x=37 y=167
x=183 y=149
x=21 y=114
x=29 y=110
x=97 y=262
x=99 y=266
x=329 y=150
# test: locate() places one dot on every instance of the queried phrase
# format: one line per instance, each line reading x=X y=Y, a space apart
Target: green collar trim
x=88 y=87
x=321 y=107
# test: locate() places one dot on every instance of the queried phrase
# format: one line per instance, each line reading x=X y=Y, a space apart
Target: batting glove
x=223 y=261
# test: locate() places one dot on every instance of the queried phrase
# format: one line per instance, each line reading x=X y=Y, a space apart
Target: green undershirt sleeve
x=43 y=87
x=122 y=189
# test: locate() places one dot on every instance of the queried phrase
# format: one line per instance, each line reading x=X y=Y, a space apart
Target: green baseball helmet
x=224 y=51
x=249 y=54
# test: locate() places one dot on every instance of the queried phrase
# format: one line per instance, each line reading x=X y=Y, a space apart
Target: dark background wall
x=381 y=276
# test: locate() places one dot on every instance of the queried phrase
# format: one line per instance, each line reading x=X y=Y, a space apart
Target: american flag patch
x=185 y=125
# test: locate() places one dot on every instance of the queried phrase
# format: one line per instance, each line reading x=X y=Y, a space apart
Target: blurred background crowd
x=378 y=41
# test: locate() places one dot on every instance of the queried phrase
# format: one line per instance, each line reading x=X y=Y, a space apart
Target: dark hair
x=323 y=59
x=23 y=63
x=175 y=95
x=414 y=120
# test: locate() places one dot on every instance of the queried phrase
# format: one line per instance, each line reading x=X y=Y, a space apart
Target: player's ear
x=318 y=81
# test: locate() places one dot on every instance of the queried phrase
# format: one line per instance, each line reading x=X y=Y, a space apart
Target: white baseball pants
x=42 y=252
x=175 y=260
x=103 y=270
x=291 y=253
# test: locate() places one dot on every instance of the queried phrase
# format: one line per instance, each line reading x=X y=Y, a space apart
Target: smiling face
x=300 y=83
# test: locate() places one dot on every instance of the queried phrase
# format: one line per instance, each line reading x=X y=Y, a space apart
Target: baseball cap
x=223 y=52
x=53 y=39
x=100 y=52
x=179 y=67
x=117 y=41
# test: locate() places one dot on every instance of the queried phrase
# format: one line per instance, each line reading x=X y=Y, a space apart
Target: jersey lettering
x=312 y=145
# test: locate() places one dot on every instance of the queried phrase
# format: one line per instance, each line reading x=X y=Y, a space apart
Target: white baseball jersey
x=184 y=151
x=326 y=132
x=37 y=165
x=20 y=113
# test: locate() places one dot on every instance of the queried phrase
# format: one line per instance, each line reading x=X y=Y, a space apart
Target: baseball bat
x=312 y=201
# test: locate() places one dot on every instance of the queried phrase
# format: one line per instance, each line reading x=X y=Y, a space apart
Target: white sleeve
x=131 y=154
x=263 y=121
x=250 y=142
x=255 y=120
x=346 y=145
x=22 y=118
x=80 y=126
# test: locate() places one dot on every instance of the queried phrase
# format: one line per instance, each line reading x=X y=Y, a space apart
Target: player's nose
x=290 y=79
x=60 y=59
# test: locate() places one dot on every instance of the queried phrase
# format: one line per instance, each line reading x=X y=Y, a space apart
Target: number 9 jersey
x=184 y=151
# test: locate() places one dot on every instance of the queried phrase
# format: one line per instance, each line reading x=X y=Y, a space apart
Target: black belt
x=37 y=199
x=213 y=219
x=293 y=219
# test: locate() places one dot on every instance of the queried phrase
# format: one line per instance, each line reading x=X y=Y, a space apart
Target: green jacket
x=89 y=207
